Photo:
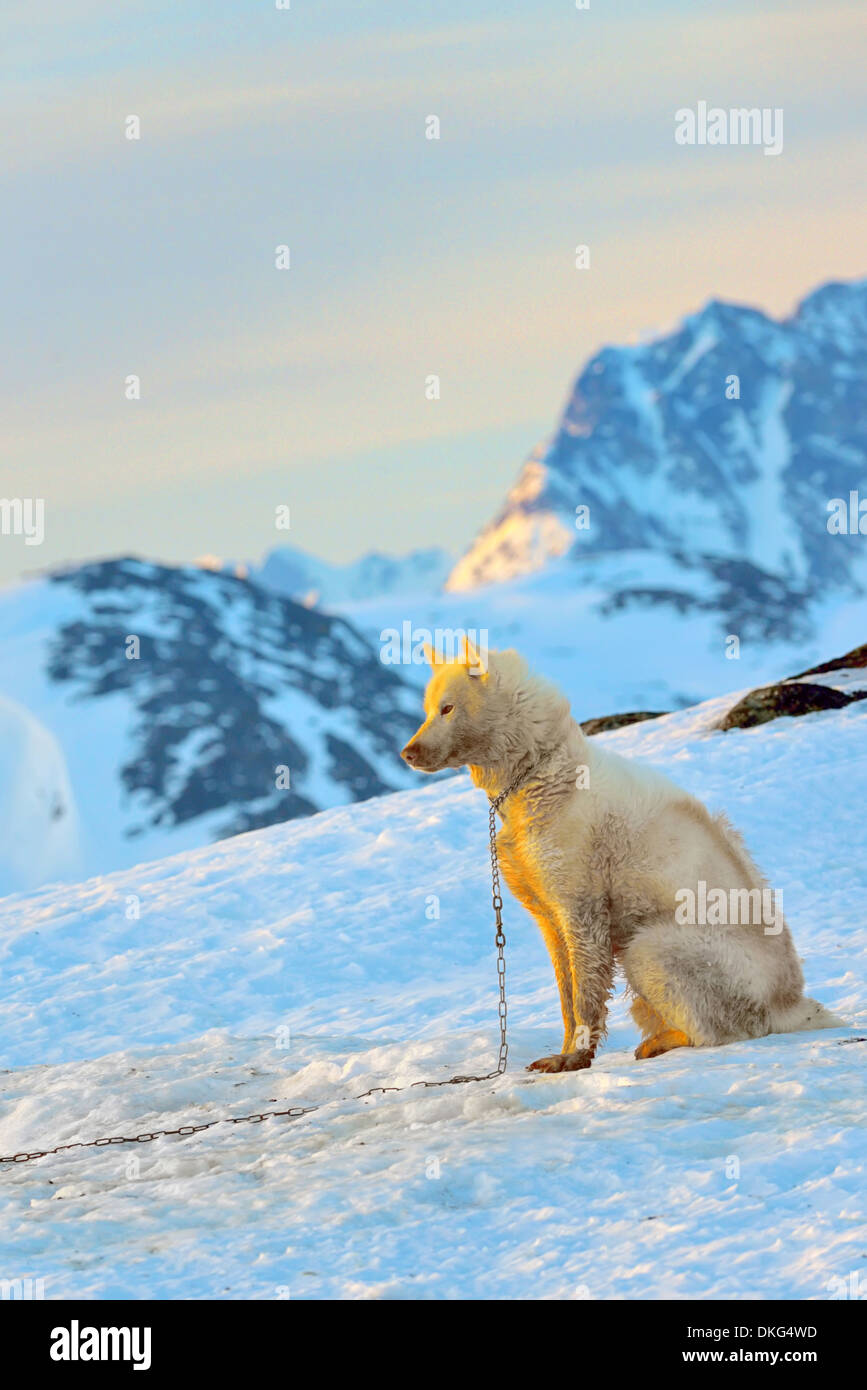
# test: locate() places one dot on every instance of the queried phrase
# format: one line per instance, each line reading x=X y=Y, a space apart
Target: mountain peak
x=725 y=438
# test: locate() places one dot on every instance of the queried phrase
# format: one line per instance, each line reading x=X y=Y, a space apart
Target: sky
x=305 y=127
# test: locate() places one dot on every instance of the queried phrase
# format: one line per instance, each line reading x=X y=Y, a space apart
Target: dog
x=606 y=855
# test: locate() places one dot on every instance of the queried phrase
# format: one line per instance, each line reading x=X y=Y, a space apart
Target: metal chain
x=293 y=1113
x=296 y=1111
x=500 y=939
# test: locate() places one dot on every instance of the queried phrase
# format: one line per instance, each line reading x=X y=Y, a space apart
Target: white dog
x=607 y=855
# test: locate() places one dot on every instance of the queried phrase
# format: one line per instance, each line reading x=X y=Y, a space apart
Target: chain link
x=296 y=1111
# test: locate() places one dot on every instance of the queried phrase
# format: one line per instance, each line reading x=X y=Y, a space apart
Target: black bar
x=226 y=1337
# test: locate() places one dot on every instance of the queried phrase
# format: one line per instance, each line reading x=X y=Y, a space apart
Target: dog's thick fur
x=598 y=858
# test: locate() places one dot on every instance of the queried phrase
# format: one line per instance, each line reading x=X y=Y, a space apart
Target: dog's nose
x=410 y=754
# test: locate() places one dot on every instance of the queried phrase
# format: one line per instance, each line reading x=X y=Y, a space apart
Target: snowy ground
x=301 y=964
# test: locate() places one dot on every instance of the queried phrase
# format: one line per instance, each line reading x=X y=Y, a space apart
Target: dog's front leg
x=591 y=963
x=559 y=953
x=592 y=977
x=523 y=884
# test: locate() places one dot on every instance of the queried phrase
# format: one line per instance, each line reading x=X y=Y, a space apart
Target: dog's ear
x=476 y=659
x=430 y=655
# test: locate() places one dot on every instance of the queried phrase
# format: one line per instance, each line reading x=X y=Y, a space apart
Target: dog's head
x=462 y=705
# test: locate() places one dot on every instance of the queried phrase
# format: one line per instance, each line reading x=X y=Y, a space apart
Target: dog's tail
x=803 y=1017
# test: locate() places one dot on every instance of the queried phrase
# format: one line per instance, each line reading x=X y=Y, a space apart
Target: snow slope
x=304 y=963
x=39 y=833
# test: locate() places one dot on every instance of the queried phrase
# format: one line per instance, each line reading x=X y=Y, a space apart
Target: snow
x=307 y=578
x=765 y=502
x=304 y=964
x=519 y=543
x=705 y=341
x=95 y=738
x=607 y=658
x=39 y=836
x=651 y=440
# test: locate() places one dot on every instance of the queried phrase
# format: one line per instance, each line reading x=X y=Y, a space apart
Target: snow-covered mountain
x=309 y=962
x=721 y=446
x=304 y=577
x=190 y=705
x=639 y=632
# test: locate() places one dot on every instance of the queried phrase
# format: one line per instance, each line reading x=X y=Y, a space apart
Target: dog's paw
x=562 y=1061
x=577 y=1061
x=665 y=1041
x=554 y=1063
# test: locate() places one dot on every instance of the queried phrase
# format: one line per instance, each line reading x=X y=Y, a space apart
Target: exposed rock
x=851 y=661
x=618 y=721
x=788 y=698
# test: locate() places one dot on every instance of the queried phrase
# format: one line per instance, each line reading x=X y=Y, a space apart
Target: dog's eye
x=446 y=709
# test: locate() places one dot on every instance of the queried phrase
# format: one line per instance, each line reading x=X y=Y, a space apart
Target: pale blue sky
x=409 y=256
